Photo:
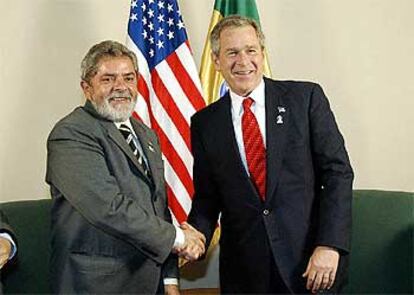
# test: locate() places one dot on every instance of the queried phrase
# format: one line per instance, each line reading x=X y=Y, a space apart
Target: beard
x=119 y=112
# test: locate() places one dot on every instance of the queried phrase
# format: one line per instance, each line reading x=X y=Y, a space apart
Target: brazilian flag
x=212 y=81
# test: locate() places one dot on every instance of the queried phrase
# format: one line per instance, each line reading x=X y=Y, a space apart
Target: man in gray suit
x=111 y=226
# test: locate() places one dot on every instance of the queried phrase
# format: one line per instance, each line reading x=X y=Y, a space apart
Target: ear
x=216 y=61
x=87 y=89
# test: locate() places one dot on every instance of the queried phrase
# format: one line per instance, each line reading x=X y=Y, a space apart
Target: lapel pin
x=281 y=109
x=279 y=119
x=150 y=147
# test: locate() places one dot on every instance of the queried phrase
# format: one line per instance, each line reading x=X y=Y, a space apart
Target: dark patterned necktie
x=254 y=148
x=129 y=137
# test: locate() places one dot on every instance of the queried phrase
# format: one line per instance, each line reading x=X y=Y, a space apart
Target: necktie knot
x=125 y=131
x=247 y=103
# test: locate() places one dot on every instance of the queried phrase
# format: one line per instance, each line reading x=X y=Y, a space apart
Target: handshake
x=194 y=244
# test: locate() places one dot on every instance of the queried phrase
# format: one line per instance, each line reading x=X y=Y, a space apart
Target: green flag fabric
x=212 y=81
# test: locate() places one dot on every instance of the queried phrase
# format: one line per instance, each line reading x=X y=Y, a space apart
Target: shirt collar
x=127 y=122
x=258 y=95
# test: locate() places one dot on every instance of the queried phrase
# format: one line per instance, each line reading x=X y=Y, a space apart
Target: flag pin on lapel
x=279 y=118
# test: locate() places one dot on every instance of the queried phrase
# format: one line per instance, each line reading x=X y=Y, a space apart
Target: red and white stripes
x=169 y=95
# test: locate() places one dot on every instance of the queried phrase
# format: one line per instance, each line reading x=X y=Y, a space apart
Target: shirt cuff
x=13 y=244
x=179 y=237
x=170 y=281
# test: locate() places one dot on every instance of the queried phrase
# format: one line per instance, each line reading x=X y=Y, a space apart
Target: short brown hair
x=104 y=49
x=230 y=22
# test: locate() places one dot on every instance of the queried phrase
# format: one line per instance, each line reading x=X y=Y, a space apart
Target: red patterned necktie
x=254 y=148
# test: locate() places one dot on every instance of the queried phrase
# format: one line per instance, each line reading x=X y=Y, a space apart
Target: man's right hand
x=5 y=250
x=194 y=244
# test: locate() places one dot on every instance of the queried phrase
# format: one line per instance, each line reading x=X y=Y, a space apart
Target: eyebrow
x=113 y=75
x=238 y=49
x=232 y=49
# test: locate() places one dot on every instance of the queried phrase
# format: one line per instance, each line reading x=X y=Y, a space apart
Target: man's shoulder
x=291 y=85
x=77 y=115
x=296 y=93
x=213 y=109
x=78 y=119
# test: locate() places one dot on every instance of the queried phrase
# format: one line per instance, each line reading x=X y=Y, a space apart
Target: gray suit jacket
x=111 y=226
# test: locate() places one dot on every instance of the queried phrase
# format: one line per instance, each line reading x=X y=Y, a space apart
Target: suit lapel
x=277 y=122
x=151 y=153
x=117 y=137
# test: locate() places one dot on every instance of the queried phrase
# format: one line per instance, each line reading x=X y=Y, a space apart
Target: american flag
x=170 y=91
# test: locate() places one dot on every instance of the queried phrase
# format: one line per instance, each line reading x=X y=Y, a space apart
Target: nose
x=119 y=83
x=242 y=58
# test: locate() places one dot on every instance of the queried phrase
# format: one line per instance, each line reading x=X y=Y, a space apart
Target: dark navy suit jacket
x=308 y=193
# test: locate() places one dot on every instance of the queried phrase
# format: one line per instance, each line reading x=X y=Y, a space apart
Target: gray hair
x=109 y=48
x=232 y=21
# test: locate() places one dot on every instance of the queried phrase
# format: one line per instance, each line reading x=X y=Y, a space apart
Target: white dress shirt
x=258 y=109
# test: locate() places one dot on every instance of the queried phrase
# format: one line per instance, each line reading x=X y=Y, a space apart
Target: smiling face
x=113 y=89
x=240 y=59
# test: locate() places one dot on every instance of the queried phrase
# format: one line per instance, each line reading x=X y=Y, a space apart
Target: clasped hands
x=194 y=244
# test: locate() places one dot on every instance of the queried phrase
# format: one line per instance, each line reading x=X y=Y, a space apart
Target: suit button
x=266 y=212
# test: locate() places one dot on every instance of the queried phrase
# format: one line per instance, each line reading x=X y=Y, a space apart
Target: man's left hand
x=321 y=269
x=171 y=290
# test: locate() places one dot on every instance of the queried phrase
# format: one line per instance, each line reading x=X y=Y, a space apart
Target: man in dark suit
x=268 y=157
x=8 y=240
x=111 y=227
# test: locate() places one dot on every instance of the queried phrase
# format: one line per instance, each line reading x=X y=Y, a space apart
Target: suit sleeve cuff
x=179 y=237
x=171 y=281
x=13 y=244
